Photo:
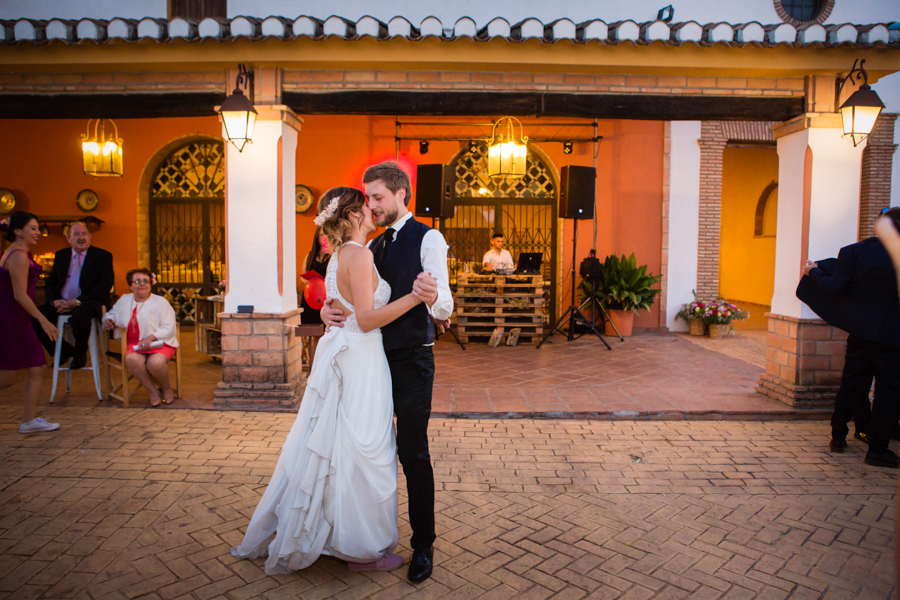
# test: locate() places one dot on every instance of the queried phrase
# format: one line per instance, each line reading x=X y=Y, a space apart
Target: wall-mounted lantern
x=862 y=108
x=237 y=112
x=101 y=149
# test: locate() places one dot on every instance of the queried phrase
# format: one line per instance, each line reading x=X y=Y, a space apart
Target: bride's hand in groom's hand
x=425 y=288
x=332 y=313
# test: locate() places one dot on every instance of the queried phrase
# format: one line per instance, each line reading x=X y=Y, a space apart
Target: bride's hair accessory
x=327 y=213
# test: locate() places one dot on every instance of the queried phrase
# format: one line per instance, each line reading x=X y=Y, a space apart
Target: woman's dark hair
x=315 y=251
x=130 y=274
x=337 y=228
x=17 y=220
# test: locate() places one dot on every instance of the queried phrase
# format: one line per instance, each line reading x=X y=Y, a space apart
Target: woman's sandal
x=167 y=399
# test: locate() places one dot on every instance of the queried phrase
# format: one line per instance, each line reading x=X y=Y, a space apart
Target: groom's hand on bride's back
x=332 y=313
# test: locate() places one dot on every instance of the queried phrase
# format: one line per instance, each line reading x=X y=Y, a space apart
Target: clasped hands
x=64 y=306
x=425 y=288
x=809 y=266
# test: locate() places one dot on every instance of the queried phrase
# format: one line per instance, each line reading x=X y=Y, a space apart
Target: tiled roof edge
x=37 y=32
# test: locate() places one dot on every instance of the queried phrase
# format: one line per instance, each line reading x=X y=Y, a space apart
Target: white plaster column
x=818 y=201
x=819 y=175
x=259 y=213
x=684 y=220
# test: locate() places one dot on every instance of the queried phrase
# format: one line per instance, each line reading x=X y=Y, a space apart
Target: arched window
x=767 y=212
x=187 y=224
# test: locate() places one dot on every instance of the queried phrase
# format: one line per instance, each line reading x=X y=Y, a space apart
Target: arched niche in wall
x=767 y=212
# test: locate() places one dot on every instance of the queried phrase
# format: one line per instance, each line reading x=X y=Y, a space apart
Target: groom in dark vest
x=410 y=256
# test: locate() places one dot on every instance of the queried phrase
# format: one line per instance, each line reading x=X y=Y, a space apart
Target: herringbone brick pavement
x=145 y=504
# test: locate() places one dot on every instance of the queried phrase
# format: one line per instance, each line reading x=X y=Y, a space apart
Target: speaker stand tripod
x=603 y=312
x=573 y=314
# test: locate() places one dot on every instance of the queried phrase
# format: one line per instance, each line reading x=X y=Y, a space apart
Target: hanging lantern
x=861 y=109
x=101 y=149
x=238 y=114
x=507 y=154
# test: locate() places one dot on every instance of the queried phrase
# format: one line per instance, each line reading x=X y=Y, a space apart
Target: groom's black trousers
x=412 y=374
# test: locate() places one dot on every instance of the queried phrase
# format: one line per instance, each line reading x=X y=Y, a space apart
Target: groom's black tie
x=388 y=237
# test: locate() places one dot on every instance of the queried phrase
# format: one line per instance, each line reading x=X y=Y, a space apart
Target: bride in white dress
x=334 y=489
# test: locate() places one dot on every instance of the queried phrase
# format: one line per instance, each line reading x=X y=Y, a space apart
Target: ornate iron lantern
x=507 y=154
x=238 y=114
x=862 y=108
x=101 y=149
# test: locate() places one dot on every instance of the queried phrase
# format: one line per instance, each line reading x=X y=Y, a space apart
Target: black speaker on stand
x=576 y=201
x=434 y=191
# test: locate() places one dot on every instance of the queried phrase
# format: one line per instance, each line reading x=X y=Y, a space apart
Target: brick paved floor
x=145 y=504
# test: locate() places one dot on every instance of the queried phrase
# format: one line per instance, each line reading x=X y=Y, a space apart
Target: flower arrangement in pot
x=623 y=290
x=720 y=315
x=693 y=314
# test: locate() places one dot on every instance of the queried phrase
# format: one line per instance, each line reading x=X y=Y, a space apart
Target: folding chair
x=115 y=361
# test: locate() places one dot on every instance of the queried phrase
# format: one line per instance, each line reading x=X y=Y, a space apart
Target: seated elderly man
x=78 y=285
x=151 y=339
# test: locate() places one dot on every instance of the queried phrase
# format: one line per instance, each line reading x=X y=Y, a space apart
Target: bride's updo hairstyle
x=336 y=225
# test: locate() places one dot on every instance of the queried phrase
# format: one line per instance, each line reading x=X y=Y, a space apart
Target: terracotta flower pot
x=624 y=321
x=719 y=331
x=697 y=326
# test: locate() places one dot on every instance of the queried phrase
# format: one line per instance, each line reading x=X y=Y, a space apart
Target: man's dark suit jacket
x=96 y=281
x=857 y=292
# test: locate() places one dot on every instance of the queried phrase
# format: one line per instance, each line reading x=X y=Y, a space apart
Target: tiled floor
x=142 y=504
x=649 y=376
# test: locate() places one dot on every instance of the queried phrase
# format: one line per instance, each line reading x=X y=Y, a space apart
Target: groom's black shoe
x=421 y=564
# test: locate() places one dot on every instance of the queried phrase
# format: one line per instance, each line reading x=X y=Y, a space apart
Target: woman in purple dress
x=19 y=344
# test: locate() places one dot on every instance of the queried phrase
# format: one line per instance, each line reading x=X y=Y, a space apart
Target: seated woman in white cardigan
x=149 y=320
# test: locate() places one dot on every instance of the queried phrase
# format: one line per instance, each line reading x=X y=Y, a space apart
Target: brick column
x=712 y=145
x=877 y=163
x=803 y=361
x=261 y=362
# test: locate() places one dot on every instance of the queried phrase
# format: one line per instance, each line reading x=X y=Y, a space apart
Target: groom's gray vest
x=399 y=263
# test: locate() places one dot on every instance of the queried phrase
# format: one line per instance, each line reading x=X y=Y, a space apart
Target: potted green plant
x=720 y=315
x=622 y=289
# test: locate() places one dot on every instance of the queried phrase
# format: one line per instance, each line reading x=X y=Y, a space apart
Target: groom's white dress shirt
x=433 y=256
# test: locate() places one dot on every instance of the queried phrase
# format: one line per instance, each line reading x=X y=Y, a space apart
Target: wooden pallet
x=486 y=302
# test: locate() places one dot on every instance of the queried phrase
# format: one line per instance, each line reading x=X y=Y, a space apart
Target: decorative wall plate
x=303 y=199
x=87 y=200
x=7 y=201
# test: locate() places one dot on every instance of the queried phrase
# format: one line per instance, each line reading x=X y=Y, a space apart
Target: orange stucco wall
x=746 y=262
x=42 y=164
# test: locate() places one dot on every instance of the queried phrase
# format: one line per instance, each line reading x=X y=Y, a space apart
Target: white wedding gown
x=334 y=489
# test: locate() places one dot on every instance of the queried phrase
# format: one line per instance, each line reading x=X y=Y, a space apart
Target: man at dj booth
x=497 y=258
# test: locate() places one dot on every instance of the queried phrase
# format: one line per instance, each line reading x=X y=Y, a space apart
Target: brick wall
x=712 y=145
x=664 y=260
x=334 y=79
x=156 y=81
x=262 y=366
x=804 y=361
x=877 y=163
x=551 y=82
